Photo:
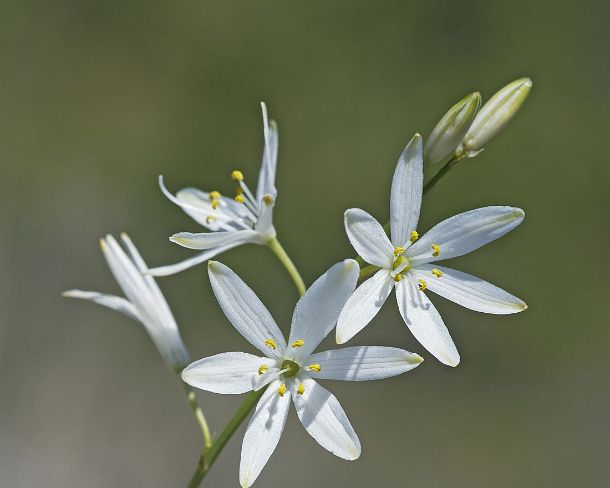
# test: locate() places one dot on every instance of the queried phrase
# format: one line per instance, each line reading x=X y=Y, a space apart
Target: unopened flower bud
x=496 y=114
x=451 y=129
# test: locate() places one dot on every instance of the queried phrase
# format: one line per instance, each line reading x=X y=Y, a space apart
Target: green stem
x=369 y=269
x=191 y=397
x=281 y=254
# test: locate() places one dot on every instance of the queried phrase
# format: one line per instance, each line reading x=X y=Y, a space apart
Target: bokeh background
x=99 y=97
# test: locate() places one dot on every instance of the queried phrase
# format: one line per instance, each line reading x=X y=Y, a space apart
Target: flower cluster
x=400 y=257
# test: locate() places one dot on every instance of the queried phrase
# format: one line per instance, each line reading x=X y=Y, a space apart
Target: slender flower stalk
x=404 y=261
x=289 y=370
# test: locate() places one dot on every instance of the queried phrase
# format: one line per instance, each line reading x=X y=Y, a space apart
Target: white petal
x=111 y=301
x=363 y=305
x=266 y=176
x=171 y=269
x=264 y=223
x=364 y=363
x=465 y=232
x=368 y=238
x=317 y=311
x=323 y=417
x=230 y=372
x=425 y=323
x=262 y=434
x=469 y=291
x=244 y=309
x=208 y=240
x=406 y=196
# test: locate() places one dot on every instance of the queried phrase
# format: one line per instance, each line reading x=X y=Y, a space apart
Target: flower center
x=291 y=366
x=400 y=265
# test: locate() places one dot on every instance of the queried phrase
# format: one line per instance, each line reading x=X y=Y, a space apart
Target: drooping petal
x=230 y=372
x=325 y=420
x=368 y=238
x=364 y=363
x=171 y=269
x=425 y=323
x=363 y=305
x=266 y=176
x=263 y=433
x=317 y=311
x=245 y=310
x=209 y=240
x=111 y=301
x=464 y=233
x=468 y=291
x=406 y=196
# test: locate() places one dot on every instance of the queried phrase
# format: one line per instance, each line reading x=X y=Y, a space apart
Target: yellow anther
x=314 y=367
x=398 y=277
x=262 y=369
x=398 y=250
x=271 y=343
x=422 y=284
x=437 y=272
x=301 y=389
x=237 y=175
x=282 y=389
x=414 y=236
x=267 y=199
x=435 y=249
x=240 y=198
x=215 y=204
x=298 y=343
x=214 y=195
x=209 y=219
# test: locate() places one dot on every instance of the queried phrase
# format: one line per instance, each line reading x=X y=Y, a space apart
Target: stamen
x=267 y=199
x=414 y=236
x=298 y=343
x=301 y=389
x=436 y=250
x=214 y=195
x=262 y=369
x=437 y=272
x=209 y=219
x=237 y=175
x=215 y=204
x=398 y=250
x=282 y=389
x=314 y=367
x=240 y=198
x=398 y=277
x=422 y=284
x=271 y=343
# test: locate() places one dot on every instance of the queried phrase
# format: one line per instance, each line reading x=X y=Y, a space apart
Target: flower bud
x=451 y=129
x=495 y=115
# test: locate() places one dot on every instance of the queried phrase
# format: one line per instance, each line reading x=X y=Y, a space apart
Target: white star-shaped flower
x=291 y=369
x=145 y=302
x=406 y=261
x=247 y=218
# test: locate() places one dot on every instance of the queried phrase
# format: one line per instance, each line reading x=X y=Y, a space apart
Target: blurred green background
x=97 y=98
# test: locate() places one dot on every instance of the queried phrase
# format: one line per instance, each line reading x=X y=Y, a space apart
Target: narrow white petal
x=406 y=196
x=263 y=434
x=465 y=232
x=264 y=223
x=469 y=291
x=425 y=323
x=230 y=372
x=317 y=311
x=266 y=176
x=171 y=269
x=325 y=420
x=244 y=310
x=111 y=301
x=364 y=363
x=368 y=238
x=363 y=305
x=208 y=240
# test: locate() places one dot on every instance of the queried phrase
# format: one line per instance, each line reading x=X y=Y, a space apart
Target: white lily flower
x=406 y=261
x=247 y=218
x=290 y=369
x=145 y=302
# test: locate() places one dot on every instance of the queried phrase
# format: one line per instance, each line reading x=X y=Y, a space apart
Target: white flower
x=247 y=218
x=405 y=261
x=145 y=302
x=290 y=369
